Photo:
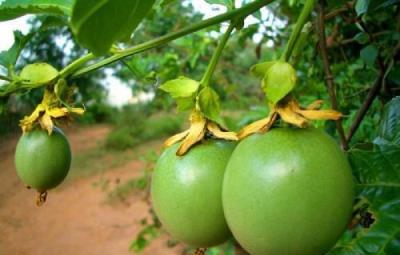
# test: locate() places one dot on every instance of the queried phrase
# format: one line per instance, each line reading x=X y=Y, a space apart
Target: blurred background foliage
x=359 y=41
x=362 y=38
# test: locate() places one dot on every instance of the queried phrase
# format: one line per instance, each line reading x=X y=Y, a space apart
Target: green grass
x=135 y=125
x=98 y=160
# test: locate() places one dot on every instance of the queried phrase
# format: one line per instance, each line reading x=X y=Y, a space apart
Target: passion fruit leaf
x=182 y=87
x=389 y=129
x=369 y=55
x=261 y=69
x=11 y=9
x=279 y=81
x=361 y=6
x=185 y=103
x=209 y=103
x=377 y=173
x=9 y=57
x=38 y=73
x=99 y=24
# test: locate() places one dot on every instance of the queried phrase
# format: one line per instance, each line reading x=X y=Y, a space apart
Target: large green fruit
x=186 y=193
x=43 y=160
x=288 y=192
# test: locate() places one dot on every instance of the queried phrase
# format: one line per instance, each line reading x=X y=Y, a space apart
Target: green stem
x=5 y=78
x=301 y=21
x=75 y=64
x=243 y=11
x=205 y=81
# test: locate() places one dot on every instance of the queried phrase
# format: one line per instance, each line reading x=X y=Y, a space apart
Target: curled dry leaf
x=291 y=112
x=199 y=125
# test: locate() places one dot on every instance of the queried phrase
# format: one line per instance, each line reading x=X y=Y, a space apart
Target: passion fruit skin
x=288 y=192
x=187 y=193
x=42 y=160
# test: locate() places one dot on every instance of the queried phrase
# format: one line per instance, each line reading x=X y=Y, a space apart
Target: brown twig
x=368 y=101
x=328 y=73
x=347 y=6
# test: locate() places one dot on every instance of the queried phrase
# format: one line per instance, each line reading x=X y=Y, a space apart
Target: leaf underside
x=100 y=23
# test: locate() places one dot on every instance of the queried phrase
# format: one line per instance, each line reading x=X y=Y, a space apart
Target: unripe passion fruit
x=43 y=160
x=186 y=193
x=288 y=192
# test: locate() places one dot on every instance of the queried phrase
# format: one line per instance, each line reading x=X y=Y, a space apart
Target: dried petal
x=46 y=123
x=77 y=110
x=175 y=138
x=320 y=114
x=197 y=131
x=217 y=132
x=57 y=112
x=317 y=104
x=289 y=115
x=258 y=126
x=27 y=122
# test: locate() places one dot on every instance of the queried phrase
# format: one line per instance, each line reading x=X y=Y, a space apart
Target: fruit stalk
x=301 y=21
x=205 y=81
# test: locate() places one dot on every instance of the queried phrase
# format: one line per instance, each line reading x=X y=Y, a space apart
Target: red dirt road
x=75 y=219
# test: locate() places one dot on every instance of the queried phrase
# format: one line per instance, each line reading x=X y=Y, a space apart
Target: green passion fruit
x=42 y=160
x=186 y=193
x=288 y=192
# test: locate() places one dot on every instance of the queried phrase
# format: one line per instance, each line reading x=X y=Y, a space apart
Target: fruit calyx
x=290 y=112
x=199 y=127
x=47 y=110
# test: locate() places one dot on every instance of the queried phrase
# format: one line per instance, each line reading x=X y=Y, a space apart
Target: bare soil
x=75 y=219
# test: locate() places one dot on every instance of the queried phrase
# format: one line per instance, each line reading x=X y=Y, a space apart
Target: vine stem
x=372 y=94
x=5 y=78
x=301 y=21
x=328 y=73
x=205 y=81
x=76 y=64
x=243 y=11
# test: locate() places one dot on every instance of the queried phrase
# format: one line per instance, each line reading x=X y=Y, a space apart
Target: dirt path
x=75 y=219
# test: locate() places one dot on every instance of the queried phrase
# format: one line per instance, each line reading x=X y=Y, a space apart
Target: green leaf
x=228 y=3
x=386 y=4
x=11 y=9
x=185 y=103
x=389 y=129
x=261 y=69
x=98 y=24
x=377 y=174
x=9 y=58
x=369 y=54
x=279 y=81
x=181 y=87
x=209 y=103
x=361 y=38
x=361 y=6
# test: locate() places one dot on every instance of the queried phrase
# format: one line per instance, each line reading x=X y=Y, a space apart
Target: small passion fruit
x=42 y=160
x=186 y=193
